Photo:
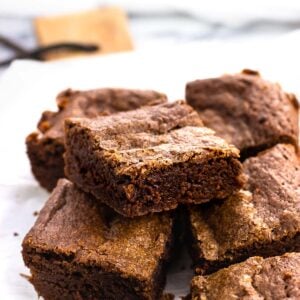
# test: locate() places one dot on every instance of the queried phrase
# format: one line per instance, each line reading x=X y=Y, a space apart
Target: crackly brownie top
x=245 y=109
x=257 y=278
x=93 y=103
x=74 y=225
x=268 y=210
x=151 y=136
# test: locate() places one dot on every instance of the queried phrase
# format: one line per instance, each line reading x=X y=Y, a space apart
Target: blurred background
x=28 y=26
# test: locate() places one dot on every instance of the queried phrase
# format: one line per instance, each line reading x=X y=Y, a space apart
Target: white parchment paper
x=28 y=88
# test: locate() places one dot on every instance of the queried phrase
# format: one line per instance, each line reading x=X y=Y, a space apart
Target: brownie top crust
x=93 y=103
x=75 y=227
x=267 y=211
x=257 y=278
x=246 y=110
x=138 y=141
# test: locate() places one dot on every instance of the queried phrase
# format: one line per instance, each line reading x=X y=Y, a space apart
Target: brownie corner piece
x=45 y=147
x=151 y=159
x=246 y=110
x=256 y=278
x=80 y=249
x=261 y=220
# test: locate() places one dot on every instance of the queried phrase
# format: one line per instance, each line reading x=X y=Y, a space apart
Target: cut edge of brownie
x=43 y=264
x=46 y=159
x=228 y=180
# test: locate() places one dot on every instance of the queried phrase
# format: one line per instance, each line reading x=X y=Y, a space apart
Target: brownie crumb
x=35 y=213
x=16 y=234
x=27 y=277
x=168 y=296
x=250 y=72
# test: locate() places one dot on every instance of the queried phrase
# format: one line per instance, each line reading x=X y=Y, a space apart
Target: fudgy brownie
x=45 y=147
x=81 y=249
x=245 y=110
x=275 y=278
x=151 y=159
x=263 y=219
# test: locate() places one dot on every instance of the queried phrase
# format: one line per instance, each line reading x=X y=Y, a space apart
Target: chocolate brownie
x=151 y=159
x=275 y=278
x=45 y=147
x=80 y=249
x=246 y=110
x=263 y=219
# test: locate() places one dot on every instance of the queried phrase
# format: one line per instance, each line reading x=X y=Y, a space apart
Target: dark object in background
x=100 y=31
x=45 y=147
x=41 y=53
x=151 y=159
x=81 y=249
x=246 y=110
x=276 y=278
x=263 y=219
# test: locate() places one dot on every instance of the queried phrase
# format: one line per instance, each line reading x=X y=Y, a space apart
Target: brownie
x=275 y=278
x=81 y=249
x=246 y=110
x=262 y=220
x=45 y=147
x=151 y=159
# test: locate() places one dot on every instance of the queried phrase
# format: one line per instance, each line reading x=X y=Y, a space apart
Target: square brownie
x=246 y=110
x=262 y=220
x=45 y=147
x=275 y=278
x=81 y=249
x=151 y=159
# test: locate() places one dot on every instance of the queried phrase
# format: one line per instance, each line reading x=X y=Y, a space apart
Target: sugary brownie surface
x=74 y=227
x=245 y=110
x=93 y=103
x=133 y=153
x=275 y=278
x=264 y=219
x=147 y=153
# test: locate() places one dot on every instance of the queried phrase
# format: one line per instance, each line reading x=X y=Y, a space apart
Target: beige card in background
x=106 y=27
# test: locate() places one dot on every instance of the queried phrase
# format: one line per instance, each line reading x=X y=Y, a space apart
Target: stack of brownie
x=138 y=165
